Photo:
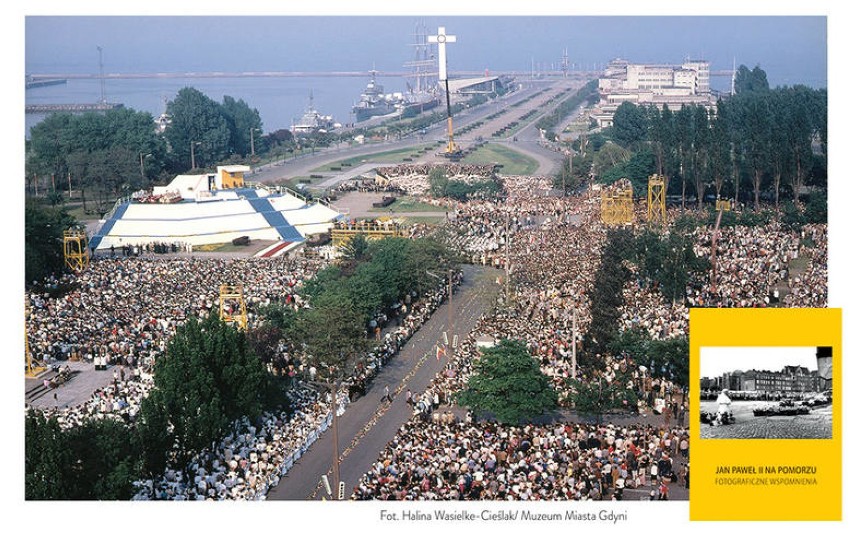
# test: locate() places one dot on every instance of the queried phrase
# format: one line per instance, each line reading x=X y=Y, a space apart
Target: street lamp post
x=251 y=132
x=192 y=145
x=142 y=158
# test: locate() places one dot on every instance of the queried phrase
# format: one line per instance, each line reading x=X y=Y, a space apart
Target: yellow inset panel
x=761 y=476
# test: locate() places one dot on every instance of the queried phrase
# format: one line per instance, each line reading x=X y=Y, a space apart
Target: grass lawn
x=799 y=264
x=391 y=156
x=514 y=163
x=407 y=204
x=77 y=212
x=220 y=247
x=425 y=220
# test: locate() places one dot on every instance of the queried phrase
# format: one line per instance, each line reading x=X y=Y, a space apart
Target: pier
x=70 y=108
x=293 y=74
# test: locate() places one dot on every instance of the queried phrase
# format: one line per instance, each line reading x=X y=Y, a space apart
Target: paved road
x=84 y=381
x=303 y=165
x=815 y=425
x=368 y=425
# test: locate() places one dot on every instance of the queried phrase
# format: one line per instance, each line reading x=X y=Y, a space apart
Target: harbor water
x=280 y=101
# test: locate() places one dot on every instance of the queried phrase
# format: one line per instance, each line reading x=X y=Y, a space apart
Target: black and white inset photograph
x=766 y=392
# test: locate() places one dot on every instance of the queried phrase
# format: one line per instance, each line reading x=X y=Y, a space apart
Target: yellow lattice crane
x=723 y=205
x=232 y=305
x=657 y=200
x=32 y=367
x=617 y=205
x=371 y=230
x=75 y=247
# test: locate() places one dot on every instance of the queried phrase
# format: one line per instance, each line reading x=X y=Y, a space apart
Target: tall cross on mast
x=442 y=39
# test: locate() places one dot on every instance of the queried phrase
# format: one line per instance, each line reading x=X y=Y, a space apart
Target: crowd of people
x=251 y=459
x=460 y=460
x=122 y=311
x=810 y=288
x=149 y=248
x=750 y=261
x=552 y=246
x=125 y=310
x=414 y=178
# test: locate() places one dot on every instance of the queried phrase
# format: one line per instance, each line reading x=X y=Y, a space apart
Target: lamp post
x=142 y=158
x=192 y=145
x=251 y=133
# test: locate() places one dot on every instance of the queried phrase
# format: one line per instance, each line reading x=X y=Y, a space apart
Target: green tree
x=661 y=138
x=241 y=120
x=156 y=436
x=610 y=156
x=669 y=260
x=438 y=182
x=668 y=358
x=719 y=149
x=637 y=169
x=332 y=335
x=47 y=459
x=816 y=210
x=106 y=460
x=196 y=119
x=43 y=227
x=629 y=125
x=354 y=250
x=509 y=384
x=597 y=397
x=747 y=81
x=606 y=296
x=756 y=141
x=685 y=134
x=97 y=460
x=206 y=379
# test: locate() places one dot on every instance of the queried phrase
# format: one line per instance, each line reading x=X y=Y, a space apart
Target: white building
x=658 y=85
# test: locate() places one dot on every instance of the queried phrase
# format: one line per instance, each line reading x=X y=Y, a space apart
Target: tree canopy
x=508 y=384
x=770 y=137
x=207 y=378
x=43 y=227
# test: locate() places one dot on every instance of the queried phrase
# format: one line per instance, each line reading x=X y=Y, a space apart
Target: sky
x=717 y=360
x=790 y=49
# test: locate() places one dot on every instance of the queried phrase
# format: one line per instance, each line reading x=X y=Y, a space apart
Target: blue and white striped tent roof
x=219 y=216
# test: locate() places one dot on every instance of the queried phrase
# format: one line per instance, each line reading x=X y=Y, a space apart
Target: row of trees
x=109 y=153
x=587 y=93
x=759 y=137
x=96 y=153
x=667 y=261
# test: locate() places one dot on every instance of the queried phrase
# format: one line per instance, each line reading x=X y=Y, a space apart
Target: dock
x=70 y=108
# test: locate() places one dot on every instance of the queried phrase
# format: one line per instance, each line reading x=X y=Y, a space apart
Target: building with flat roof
x=649 y=84
x=791 y=379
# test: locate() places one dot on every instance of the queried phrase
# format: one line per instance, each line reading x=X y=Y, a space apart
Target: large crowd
x=123 y=311
x=552 y=247
x=414 y=178
x=120 y=313
x=487 y=461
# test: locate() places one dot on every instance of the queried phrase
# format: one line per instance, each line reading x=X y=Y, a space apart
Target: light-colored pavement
x=815 y=425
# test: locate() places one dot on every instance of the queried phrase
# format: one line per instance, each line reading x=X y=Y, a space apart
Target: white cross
x=442 y=39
